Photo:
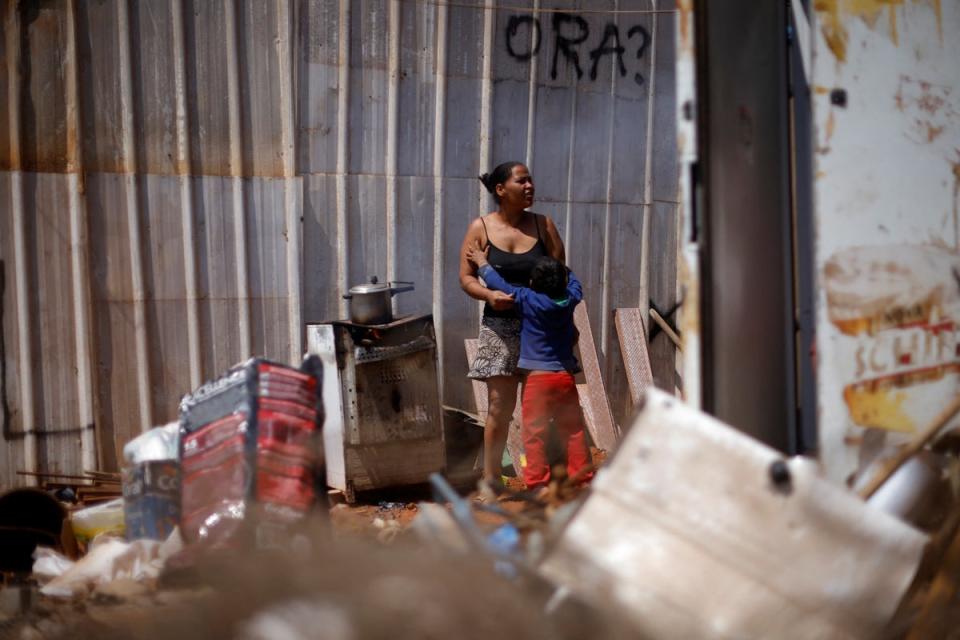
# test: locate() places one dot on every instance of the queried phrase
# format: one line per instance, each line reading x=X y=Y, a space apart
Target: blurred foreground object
x=695 y=530
x=248 y=443
x=110 y=559
x=28 y=518
x=151 y=483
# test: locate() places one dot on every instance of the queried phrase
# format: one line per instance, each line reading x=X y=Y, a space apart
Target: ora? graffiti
x=569 y=32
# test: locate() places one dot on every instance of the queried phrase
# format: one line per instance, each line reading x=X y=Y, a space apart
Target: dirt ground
x=371 y=538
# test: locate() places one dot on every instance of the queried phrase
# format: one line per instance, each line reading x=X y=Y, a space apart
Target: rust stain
x=834 y=13
x=879 y=408
x=690 y=310
x=831 y=123
x=685 y=8
x=820 y=90
x=930 y=102
x=892 y=12
x=833 y=31
x=933 y=132
x=929 y=107
x=938 y=12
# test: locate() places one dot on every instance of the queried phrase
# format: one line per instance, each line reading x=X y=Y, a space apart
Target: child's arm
x=495 y=281
x=491 y=278
x=574 y=289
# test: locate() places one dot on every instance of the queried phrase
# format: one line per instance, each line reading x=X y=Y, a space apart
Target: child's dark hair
x=549 y=276
x=500 y=174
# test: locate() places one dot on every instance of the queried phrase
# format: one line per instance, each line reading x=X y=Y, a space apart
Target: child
x=547 y=338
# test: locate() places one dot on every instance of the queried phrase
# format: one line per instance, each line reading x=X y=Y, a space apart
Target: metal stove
x=384 y=425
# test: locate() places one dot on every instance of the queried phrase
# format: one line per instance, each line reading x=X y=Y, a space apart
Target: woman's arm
x=468 y=272
x=553 y=241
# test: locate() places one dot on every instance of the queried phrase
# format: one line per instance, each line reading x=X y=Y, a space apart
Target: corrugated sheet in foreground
x=186 y=183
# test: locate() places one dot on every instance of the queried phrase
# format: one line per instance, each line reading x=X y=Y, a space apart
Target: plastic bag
x=159 y=443
x=49 y=564
x=101 y=518
x=110 y=560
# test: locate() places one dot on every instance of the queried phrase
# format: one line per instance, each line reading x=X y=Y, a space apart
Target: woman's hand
x=499 y=300
x=476 y=255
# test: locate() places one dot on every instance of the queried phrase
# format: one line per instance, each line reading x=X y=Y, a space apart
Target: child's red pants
x=553 y=395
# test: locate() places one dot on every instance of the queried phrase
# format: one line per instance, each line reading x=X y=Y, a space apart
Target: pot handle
x=395 y=290
x=347 y=296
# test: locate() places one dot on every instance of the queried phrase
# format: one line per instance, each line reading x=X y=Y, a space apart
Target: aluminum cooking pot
x=370 y=303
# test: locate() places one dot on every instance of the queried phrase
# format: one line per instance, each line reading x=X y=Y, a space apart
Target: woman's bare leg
x=501 y=400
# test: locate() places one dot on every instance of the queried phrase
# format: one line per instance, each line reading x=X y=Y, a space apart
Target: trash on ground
x=108 y=559
x=696 y=530
x=101 y=518
x=151 y=499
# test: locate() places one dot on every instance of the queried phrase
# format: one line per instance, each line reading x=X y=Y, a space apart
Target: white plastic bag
x=114 y=559
x=49 y=564
x=159 y=443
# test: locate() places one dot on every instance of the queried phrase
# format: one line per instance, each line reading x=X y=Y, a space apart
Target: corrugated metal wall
x=185 y=183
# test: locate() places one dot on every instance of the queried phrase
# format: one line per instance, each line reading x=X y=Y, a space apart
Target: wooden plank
x=632 y=333
x=602 y=427
x=589 y=414
x=514 y=441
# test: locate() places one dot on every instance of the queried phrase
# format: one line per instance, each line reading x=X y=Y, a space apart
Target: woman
x=516 y=238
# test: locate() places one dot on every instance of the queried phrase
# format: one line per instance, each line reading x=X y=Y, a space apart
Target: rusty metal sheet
x=43 y=105
x=268 y=242
x=221 y=279
x=151 y=27
x=886 y=223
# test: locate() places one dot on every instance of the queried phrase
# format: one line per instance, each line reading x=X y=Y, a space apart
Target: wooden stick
x=106 y=475
x=40 y=474
x=666 y=328
x=933 y=620
x=912 y=448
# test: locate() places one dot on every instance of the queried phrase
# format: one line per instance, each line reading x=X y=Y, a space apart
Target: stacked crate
x=247 y=448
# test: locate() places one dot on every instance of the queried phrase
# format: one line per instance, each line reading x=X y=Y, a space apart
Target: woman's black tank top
x=515 y=268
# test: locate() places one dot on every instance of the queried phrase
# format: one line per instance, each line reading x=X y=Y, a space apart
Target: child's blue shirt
x=547 y=333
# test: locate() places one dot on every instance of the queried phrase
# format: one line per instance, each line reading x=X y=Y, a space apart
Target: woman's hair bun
x=500 y=174
x=485 y=179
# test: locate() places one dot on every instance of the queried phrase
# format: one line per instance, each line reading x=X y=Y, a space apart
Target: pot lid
x=371 y=287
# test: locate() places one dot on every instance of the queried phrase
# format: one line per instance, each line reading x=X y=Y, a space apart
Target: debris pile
x=690 y=529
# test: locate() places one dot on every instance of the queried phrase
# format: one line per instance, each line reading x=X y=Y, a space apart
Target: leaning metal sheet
x=686 y=535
